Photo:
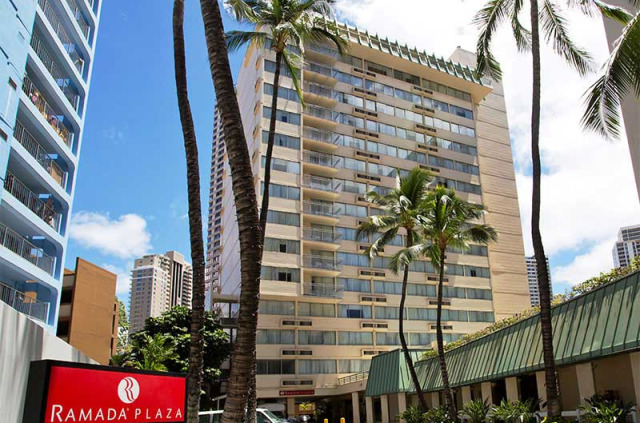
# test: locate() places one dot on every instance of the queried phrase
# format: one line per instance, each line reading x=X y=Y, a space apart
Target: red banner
x=297 y=393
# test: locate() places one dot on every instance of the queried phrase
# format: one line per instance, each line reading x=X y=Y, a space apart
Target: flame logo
x=128 y=390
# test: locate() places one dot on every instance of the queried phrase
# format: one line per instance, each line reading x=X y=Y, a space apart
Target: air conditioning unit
x=444 y=327
x=444 y=302
x=373 y=299
x=289 y=352
x=374 y=325
x=296 y=322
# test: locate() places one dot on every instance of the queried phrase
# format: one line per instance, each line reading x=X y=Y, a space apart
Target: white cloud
x=124 y=237
x=588 y=188
x=123 y=285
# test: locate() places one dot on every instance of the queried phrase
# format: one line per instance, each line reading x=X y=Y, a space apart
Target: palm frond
x=378 y=245
x=621 y=75
x=375 y=224
x=521 y=34
x=616 y=13
x=244 y=11
x=481 y=233
x=554 y=27
x=405 y=257
x=488 y=19
x=237 y=39
x=376 y=198
x=293 y=63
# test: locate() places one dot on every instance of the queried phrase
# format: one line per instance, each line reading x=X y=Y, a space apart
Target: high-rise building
x=384 y=108
x=48 y=50
x=88 y=318
x=532 y=276
x=630 y=105
x=159 y=282
x=627 y=246
x=214 y=223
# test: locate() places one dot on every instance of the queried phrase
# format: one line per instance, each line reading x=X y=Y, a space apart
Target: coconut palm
x=400 y=210
x=194 y=373
x=445 y=222
x=287 y=25
x=246 y=203
x=547 y=15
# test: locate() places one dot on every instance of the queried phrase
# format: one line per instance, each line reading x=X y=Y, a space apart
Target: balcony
x=323 y=290
x=14 y=242
x=31 y=145
x=321 y=188
x=319 y=140
x=321 y=208
x=64 y=38
x=319 y=94
x=56 y=120
x=63 y=82
x=322 y=164
x=319 y=117
x=39 y=310
x=326 y=265
x=44 y=210
x=321 y=53
x=321 y=235
x=318 y=73
x=79 y=17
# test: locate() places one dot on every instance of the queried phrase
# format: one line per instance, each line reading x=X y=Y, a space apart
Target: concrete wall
x=23 y=341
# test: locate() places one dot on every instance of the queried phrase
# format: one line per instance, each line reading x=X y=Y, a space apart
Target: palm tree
x=446 y=222
x=249 y=229
x=554 y=28
x=287 y=23
x=401 y=207
x=194 y=373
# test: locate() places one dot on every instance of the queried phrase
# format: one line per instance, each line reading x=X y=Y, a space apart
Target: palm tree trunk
x=553 y=402
x=403 y=341
x=194 y=373
x=249 y=230
x=448 y=396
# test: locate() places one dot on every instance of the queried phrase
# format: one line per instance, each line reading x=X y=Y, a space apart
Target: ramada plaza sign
x=61 y=392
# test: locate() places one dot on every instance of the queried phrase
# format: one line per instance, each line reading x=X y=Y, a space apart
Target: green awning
x=389 y=373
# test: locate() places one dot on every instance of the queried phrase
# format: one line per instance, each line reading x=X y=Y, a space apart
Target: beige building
x=325 y=310
x=159 y=282
x=88 y=318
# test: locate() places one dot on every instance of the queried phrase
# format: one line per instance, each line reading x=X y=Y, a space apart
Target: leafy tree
x=400 y=211
x=445 y=222
x=123 y=327
x=547 y=16
x=152 y=352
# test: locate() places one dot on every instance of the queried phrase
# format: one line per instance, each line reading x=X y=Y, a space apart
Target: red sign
x=297 y=393
x=81 y=393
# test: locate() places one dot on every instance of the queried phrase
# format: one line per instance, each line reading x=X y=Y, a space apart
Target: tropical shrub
x=516 y=411
x=413 y=415
x=437 y=415
x=602 y=410
x=475 y=411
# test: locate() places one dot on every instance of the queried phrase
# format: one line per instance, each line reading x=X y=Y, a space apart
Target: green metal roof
x=390 y=373
x=602 y=322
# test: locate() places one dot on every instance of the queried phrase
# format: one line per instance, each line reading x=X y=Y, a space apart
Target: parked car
x=262 y=416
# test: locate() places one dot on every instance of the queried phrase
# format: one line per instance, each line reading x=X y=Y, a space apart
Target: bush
x=516 y=411
x=602 y=410
x=413 y=415
x=476 y=411
x=437 y=415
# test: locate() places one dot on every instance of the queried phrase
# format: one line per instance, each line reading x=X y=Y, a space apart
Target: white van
x=262 y=416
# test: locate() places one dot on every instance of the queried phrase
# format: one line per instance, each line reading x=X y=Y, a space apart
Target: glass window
x=283 y=165
x=283 y=92
x=316 y=337
x=282 y=116
x=316 y=309
x=354 y=311
x=387 y=313
x=276 y=307
x=282 y=191
x=355 y=338
x=313 y=367
x=275 y=367
x=283 y=218
x=353 y=366
x=355 y=285
x=387 y=338
x=274 y=336
x=282 y=245
x=281 y=274
x=282 y=140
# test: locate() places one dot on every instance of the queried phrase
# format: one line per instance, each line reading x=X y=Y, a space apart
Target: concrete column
x=512 y=389
x=485 y=390
x=586 y=383
x=384 y=406
x=466 y=394
x=355 y=405
x=402 y=403
x=542 y=388
x=435 y=399
x=635 y=374
x=368 y=402
x=291 y=407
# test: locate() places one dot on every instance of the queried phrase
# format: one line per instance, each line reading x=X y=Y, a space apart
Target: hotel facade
x=48 y=48
x=384 y=108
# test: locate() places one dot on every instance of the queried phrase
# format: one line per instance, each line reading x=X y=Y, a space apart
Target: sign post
x=63 y=392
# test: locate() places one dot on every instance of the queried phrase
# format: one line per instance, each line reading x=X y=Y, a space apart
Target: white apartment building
x=159 y=282
x=532 y=276
x=627 y=246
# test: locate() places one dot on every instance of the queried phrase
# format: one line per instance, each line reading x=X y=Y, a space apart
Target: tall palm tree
x=446 y=221
x=249 y=229
x=196 y=351
x=285 y=24
x=554 y=27
x=400 y=211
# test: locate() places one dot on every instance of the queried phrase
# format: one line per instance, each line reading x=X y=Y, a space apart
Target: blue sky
x=131 y=187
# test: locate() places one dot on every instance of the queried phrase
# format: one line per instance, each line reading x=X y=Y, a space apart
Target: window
x=355 y=285
x=274 y=336
x=282 y=116
x=283 y=218
x=282 y=191
x=282 y=140
x=349 y=234
x=347 y=78
x=388 y=313
x=281 y=274
x=270 y=66
x=393 y=288
x=282 y=165
x=421 y=339
x=282 y=245
x=387 y=338
x=283 y=92
x=355 y=338
x=316 y=337
x=317 y=310
x=353 y=366
x=354 y=311
x=312 y=367
x=353 y=259
x=275 y=367
x=277 y=307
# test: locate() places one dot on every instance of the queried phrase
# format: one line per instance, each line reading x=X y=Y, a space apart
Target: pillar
x=368 y=402
x=466 y=394
x=384 y=406
x=634 y=357
x=541 y=384
x=512 y=389
x=402 y=403
x=435 y=399
x=485 y=389
x=291 y=407
x=586 y=383
x=355 y=405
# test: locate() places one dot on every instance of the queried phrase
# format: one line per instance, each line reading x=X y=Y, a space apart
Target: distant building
x=159 y=282
x=532 y=276
x=88 y=318
x=627 y=246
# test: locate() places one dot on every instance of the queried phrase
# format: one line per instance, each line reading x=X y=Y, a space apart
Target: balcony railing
x=69 y=45
x=79 y=17
x=325 y=290
x=320 y=208
x=14 y=242
x=39 y=310
x=320 y=262
x=61 y=79
x=44 y=210
x=318 y=135
x=321 y=159
x=30 y=144
x=320 y=183
x=322 y=235
x=319 y=48
x=319 y=112
x=318 y=89
x=314 y=67
x=56 y=120
x=356 y=377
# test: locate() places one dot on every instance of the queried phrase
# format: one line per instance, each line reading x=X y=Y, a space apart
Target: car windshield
x=272 y=416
